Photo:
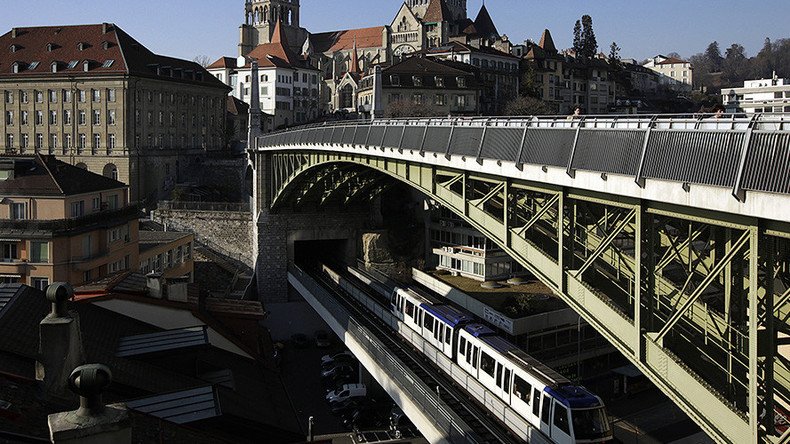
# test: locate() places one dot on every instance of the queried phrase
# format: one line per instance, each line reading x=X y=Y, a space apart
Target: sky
x=642 y=28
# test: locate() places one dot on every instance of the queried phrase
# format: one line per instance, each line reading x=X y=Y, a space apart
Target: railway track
x=487 y=429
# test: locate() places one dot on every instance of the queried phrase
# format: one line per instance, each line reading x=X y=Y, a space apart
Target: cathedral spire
x=355 y=59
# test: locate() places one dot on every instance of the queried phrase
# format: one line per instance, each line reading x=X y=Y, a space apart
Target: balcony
x=13 y=267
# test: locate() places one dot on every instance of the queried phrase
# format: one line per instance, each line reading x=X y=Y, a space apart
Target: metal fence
x=741 y=153
x=204 y=206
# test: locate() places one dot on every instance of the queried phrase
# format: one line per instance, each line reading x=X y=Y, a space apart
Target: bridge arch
x=490 y=208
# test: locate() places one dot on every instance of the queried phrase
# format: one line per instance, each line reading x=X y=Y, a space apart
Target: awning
x=629 y=370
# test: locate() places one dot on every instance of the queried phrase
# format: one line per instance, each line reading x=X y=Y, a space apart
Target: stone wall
x=227 y=232
x=277 y=233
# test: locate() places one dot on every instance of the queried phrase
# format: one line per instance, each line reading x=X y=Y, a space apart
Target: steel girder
x=695 y=299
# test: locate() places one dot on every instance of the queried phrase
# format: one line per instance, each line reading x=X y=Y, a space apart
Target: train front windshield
x=591 y=424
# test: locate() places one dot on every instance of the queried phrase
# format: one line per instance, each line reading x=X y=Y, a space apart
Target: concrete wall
x=228 y=232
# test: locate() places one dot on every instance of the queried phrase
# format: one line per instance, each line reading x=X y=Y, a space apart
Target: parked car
x=347 y=391
x=300 y=340
x=337 y=381
x=346 y=407
x=342 y=368
x=346 y=356
x=322 y=339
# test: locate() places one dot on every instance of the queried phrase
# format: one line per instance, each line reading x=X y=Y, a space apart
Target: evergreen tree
x=713 y=56
x=614 y=53
x=589 y=43
x=577 y=38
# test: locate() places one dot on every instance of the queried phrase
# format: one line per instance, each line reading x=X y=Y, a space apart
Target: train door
x=464 y=355
x=394 y=305
x=560 y=424
x=506 y=385
x=411 y=315
x=545 y=413
x=521 y=397
x=498 y=380
x=448 y=342
x=429 y=330
x=487 y=375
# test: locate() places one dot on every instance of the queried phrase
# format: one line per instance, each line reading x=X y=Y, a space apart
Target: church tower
x=260 y=17
x=457 y=8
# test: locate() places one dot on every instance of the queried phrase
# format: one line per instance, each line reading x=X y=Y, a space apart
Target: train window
x=428 y=323
x=438 y=333
x=545 y=408
x=468 y=352
x=499 y=375
x=474 y=354
x=561 y=418
x=487 y=364
x=448 y=335
x=506 y=383
x=521 y=388
x=462 y=345
x=535 y=401
x=409 y=309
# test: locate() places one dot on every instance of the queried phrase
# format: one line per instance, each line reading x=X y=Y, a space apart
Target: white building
x=758 y=96
x=289 y=85
x=674 y=73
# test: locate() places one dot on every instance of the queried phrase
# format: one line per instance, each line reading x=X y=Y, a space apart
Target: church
x=304 y=74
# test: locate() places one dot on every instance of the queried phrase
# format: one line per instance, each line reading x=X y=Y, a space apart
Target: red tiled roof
x=344 y=40
x=236 y=107
x=672 y=60
x=437 y=12
x=95 y=44
x=223 y=62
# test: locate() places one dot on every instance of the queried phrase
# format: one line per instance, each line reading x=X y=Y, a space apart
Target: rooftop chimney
x=155 y=285
x=60 y=343
x=93 y=422
x=105 y=27
x=13 y=33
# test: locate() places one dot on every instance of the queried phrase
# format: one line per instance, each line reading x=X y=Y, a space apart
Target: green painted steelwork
x=696 y=299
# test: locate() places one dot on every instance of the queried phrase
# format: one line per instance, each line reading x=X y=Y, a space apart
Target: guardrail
x=740 y=153
x=204 y=206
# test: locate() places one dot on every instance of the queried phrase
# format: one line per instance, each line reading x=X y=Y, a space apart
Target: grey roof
x=7 y=293
x=162 y=341
x=180 y=407
x=151 y=239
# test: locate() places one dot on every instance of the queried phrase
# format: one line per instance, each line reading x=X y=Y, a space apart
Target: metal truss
x=699 y=301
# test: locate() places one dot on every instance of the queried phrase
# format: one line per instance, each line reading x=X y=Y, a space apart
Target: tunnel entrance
x=309 y=253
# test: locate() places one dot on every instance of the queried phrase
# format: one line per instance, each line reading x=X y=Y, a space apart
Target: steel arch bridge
x=671 y=236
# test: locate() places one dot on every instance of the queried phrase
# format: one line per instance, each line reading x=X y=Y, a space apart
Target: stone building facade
x=96 y=98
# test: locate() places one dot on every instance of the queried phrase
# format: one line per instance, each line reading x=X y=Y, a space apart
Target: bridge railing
x=739 y=153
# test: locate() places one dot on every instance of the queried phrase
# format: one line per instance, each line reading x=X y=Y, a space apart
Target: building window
x=111 y=95
x=110 y=143
x=23 y=118
x=439 y=81
x=23 y=96
x=82 y=119
x=9 y=97
x=39 y=117
x=417 y=80
x=9 y=117
x=395 y=80
x=66 y=96
x=10 y=252
x=96 y=204
x=67 y=117
x=112 y=201
x=53 y=117
x=39 y=283
x=53 y=142
x=19 y=211
x=53 y=96
x=39 y=97
x=111 y=117
x=9 y=141
x=78 y=209
x=461 y=82
x=39 y=252
x=417 y=98
x=96 y=95
x=24 y=142
x=82 y=143
x=96 y=117
x=39 y=141
x=96 y=142
x=439 y=100
x=82 y=96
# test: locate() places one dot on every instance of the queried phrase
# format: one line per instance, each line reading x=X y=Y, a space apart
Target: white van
x=347 y=391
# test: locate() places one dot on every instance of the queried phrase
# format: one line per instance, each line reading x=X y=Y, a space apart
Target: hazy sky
x=187 y=28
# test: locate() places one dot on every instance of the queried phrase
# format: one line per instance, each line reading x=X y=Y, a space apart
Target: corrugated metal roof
x=181 y=407
x=162 y=341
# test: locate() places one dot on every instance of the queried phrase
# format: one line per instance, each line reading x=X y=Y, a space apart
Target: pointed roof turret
x=437 y=12
x=278 y=36
x=547 y=43
x=484 y=25
x=355 y=59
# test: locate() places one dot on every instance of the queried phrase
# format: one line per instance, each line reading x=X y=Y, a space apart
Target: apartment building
x=61 y=223
x=94 y=97
x=676 y=74
x=758 y=96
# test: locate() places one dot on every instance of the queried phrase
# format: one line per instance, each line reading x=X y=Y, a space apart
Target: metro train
x=563 y=412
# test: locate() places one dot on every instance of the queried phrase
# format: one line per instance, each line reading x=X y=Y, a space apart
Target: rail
x=739 y=153
x=443 y=417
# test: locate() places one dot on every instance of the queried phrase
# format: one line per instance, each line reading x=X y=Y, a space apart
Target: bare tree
x=202 y=60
